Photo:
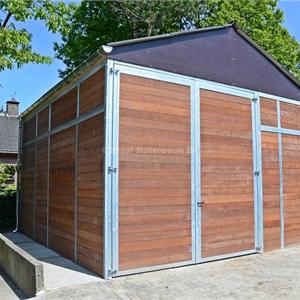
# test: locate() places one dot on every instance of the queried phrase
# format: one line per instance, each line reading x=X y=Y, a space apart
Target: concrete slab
x=8 y=290
x=59 y=272
x=17 y=237
x=274 y=275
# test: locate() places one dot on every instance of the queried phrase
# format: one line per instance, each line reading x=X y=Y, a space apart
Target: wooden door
x=154 y=173
x=227 y=183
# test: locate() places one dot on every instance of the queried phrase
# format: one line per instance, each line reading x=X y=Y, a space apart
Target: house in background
x=9 y=132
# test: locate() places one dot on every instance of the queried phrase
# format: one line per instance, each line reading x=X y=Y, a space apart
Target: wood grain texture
x=268 y=112
x=291 y=188
x=41 y=191
x=226 y=174
x=154 y=178
x=90 y=194
x=271 y=191
x=64 y=109
x=29 y=129
x=27 y=190
x=92 y=92
x=290 y=116
x=62 y=192
x=43 y=121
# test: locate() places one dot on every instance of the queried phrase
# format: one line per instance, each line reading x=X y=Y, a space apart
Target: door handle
x=200 y=204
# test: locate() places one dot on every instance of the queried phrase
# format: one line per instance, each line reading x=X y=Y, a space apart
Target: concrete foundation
x=59 y=272
x=21 y=267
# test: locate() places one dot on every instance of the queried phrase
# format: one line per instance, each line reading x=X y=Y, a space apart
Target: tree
x=95 y=23
x=6 y=172
x=15 y=43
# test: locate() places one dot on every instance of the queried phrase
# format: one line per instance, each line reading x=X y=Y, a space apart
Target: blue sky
x=32 y=81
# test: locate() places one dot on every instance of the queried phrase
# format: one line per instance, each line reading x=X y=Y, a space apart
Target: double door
x=188 y=178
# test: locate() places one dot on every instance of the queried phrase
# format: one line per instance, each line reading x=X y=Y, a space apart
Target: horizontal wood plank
x=154 y=178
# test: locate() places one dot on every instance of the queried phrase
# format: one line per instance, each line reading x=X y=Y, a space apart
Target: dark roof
x=8 y=134
x=223 y=54
x=147 y=51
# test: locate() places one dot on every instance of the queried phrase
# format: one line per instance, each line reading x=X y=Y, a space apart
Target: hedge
x=7 y=210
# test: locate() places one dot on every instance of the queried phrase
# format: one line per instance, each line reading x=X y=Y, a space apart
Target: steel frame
x=114 y=68
x=76 y=177
x=111 y=109
x=75 y=122
x=195 y=172
x=58 y=95
x=107 y=220
x=280 y=177
x=259 y=214
x=48 y=175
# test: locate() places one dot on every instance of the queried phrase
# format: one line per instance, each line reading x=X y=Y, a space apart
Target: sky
x=32 y=81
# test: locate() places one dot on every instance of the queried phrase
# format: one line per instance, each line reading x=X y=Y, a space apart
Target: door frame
x=257 y=167
x=111 y=162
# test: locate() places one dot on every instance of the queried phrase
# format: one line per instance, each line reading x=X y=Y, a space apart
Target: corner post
x=108 y=137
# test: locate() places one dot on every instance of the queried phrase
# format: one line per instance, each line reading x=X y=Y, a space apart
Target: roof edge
x=7 y=152
x=206 y=29
x=167 y=35
x=90 y=61
x=266 y=55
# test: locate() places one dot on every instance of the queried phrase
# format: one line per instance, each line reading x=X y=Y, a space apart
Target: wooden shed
x=165 y=151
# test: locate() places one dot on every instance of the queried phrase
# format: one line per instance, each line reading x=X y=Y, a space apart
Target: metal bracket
x=258 y=249
x=256 y=173
x=112 y=170
x=114 y=71
x=112 y=273
x=254 y=99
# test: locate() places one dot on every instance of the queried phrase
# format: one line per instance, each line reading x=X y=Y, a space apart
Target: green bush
x=7 y=209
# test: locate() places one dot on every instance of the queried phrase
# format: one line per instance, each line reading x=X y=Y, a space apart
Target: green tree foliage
x=7 y=198
x=6 y=172
x=95 y=23
x=15 y=41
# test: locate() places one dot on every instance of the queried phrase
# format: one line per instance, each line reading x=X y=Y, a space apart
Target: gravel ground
x=274 y=275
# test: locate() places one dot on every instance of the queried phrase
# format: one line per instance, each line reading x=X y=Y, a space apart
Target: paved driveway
x=274 y=275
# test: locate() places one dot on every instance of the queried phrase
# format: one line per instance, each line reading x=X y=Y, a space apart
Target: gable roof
x=8 y=134
x=141 y=52
x=223 y=54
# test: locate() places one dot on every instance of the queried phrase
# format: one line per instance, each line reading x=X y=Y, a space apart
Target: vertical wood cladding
x=27 y=190
x=90 y=194
x=268 y=112
x=64 y=109
x=43 y=121
x=41 y=191
x=62 y=192
x=92 y=92
x=271 y=190
x=291 y=188
x=226 y=174
x=154 y=178
x=290 y=116
x=29 y=129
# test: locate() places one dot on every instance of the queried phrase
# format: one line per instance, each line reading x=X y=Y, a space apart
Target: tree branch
x=6 y=19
